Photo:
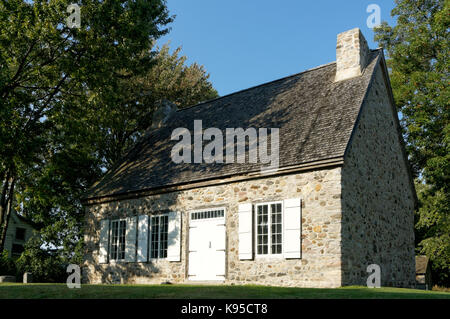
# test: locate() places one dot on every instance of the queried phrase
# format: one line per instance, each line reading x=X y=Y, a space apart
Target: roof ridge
x=256 y=86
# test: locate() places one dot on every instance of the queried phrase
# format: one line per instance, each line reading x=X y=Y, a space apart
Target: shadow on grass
x=56 y=291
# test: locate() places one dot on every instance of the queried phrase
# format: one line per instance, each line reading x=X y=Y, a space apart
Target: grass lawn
x=16 y=290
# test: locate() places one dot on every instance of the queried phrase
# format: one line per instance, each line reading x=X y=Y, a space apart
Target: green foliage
x=173 y=80
x=418 y=58
x=128 y=113
x=45 y=265
x=72 y=101
x=7 y=264
x=48 y=73
x=433 y=231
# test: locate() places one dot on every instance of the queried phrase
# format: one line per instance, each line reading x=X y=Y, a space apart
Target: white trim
x=190 y=212
x=142 y=241
x=104 y=238
x=174 y=232
x=292 y=243
x=245 y=231
x=150 y=236
x=110 y=259
x=269 y=255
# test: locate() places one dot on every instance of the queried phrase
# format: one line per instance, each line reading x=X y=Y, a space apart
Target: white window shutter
x=104 y=241
x=194 y=268
x=245 y=214
x=174 y=237
x=142 y=248
x=130 y=240
x=292 y=228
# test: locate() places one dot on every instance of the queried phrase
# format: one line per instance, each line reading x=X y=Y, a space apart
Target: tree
x=88 y=140
x=418 y=58
x=104 y=102
x=137 y=98
x=48 y=70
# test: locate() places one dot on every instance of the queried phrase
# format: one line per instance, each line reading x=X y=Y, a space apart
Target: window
x=159 y=230
x=118 y=230
x=17 y=249
x=269 y=225
x=207 y=214
x=20 y=233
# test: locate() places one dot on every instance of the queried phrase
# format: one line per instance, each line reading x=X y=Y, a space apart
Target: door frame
x=189 y=220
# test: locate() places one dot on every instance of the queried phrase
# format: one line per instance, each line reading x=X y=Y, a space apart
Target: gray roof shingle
x=315 y=115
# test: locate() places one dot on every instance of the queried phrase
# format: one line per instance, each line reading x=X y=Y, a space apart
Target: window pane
x=17 y=249
x=155 y=237
x=159 y=236
x=163 y=236
x=114 y=239
x=262 y=229
x=20 y=233
x=123 y=228
x=276 y=230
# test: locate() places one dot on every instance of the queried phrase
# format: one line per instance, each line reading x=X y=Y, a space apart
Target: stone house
x=19 y=231
x=342 y=198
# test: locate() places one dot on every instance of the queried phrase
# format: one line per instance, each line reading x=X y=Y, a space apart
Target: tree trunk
x=6 y=202
x=3 y=197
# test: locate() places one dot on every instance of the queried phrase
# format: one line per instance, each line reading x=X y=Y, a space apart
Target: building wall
x=321 y=214
x=378 y=204
x=352 y=217
x=10 y=239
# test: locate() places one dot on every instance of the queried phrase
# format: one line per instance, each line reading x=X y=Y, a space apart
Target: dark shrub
x=7 y=265
x=45 y=265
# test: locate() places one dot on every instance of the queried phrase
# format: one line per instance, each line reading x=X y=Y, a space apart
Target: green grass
x=16 y=290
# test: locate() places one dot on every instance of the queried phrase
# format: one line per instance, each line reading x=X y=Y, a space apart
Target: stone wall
x=318 y=267
x=378 y=204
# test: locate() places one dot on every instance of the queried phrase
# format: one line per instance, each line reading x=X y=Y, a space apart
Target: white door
x=207 y=245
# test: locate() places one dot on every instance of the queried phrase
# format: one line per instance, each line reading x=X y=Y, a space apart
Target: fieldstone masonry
x=318 y=267
x=352 y=54
x=377 y=197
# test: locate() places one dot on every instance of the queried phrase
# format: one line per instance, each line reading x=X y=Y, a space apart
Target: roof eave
x=321 y=164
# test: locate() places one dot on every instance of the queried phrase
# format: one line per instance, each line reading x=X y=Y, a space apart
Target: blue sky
x=249 y=42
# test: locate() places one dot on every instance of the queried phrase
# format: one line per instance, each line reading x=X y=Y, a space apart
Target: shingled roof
x=315 y=115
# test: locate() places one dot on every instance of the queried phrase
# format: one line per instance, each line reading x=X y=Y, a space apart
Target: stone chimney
x=163 y=112
x=352 y=54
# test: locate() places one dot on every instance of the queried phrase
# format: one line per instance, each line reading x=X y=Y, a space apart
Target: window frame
x=150 y=236
x=206 y=210
x=269 y=230
x=110 y=240
x=14 y=252
x=24 y=234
